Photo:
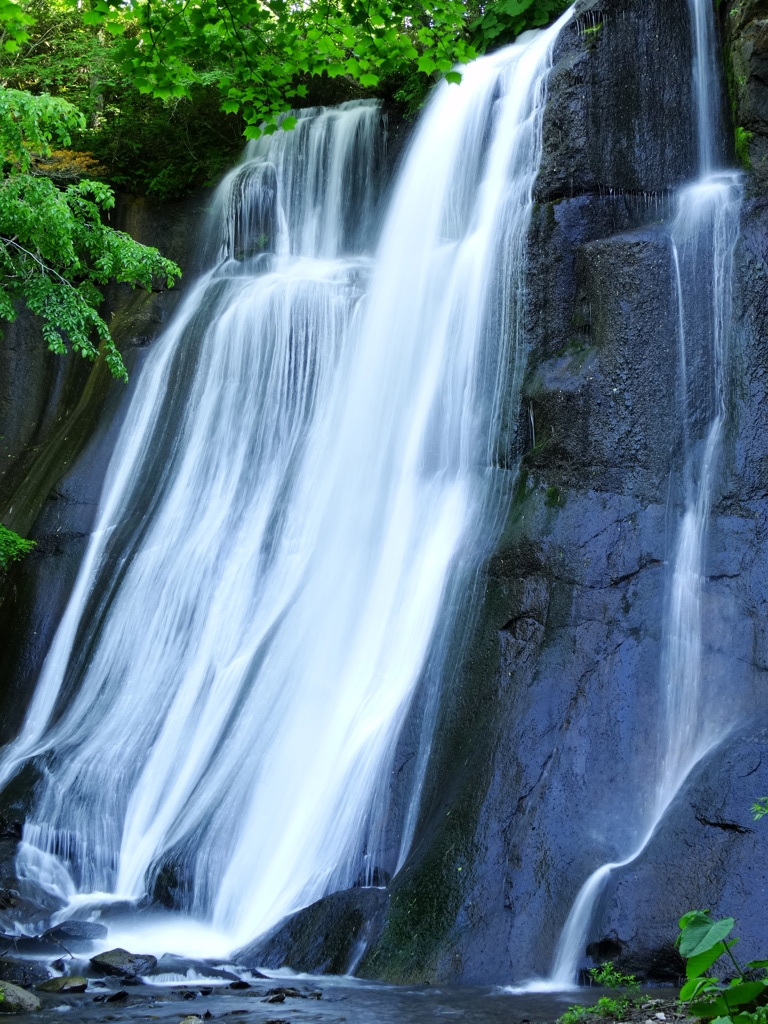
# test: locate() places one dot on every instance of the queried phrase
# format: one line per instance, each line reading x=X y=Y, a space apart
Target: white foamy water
x=307 y=480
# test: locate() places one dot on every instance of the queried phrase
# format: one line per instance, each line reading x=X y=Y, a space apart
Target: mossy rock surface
x=64 y=985
x=17 y=1000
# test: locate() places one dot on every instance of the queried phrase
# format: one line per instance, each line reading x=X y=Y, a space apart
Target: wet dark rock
x=619 y=115
x=24 y=973
x=525 y=795
x=291 y=993
x=66 y=984
x=324 y=938
x=114 y=997
x=747 y=43
x=239 y=984
x=75 y=936
x=122 y=964
x=171 y=964
x=17 y=1000
x=276 y=997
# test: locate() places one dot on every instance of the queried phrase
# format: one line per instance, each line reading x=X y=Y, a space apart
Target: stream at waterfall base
x=329 y=1000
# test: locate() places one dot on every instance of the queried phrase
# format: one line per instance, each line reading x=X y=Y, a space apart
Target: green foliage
x=742 y=1000
x=261 y=55
x=607 y=975
x=554 y=499
x=55 y=251
x=501 y=22
x=575 y=1014
x=760 y=808
x=12 y=548
x=29 y=124
x=742 y=139
x=137 y=87
x=162 y=148
x=607 y=1006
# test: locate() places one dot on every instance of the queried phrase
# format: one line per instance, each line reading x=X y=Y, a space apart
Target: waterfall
x=307 y=480
x=693 y=719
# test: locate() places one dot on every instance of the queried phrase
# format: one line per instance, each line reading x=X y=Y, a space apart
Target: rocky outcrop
x=327 y=937
x=619 y=116
x=545 y=756
x=747 y=53
x=119 y=963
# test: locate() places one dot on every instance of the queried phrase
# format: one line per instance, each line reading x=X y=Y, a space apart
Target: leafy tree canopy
x=55 y=251
x=106 y=72
x=262 y=54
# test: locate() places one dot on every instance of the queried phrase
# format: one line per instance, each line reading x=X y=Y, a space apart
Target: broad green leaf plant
x=742 y=1000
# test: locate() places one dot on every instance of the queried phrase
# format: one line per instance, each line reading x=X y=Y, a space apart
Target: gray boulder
x=17 y=1000
x=121 y=964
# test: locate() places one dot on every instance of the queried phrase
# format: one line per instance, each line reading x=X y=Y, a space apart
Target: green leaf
x=696 y=987
x=515 y=7
x=701 y=962
x=742 y=992
x=369 y=81
x=454 y=77
x=288 y=124
x=702 y=933
x=757 y=964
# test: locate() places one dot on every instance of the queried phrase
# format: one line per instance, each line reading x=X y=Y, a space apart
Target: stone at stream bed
x=189 y=971
x=24 y=973
x=122 y=964
x=17 y=1000
x=83 y=930
x=116 y=997
x=64 y=984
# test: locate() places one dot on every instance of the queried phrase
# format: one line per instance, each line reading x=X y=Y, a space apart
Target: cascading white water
x=307 y=480
x=703 y=236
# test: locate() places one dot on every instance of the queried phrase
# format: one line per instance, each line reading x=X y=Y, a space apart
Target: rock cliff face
x=546 y=739
x=543 y=749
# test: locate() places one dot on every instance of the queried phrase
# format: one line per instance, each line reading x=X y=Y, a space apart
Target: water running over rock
x=306 y=482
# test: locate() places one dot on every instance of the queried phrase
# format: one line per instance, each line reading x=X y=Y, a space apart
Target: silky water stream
x=306 y=482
